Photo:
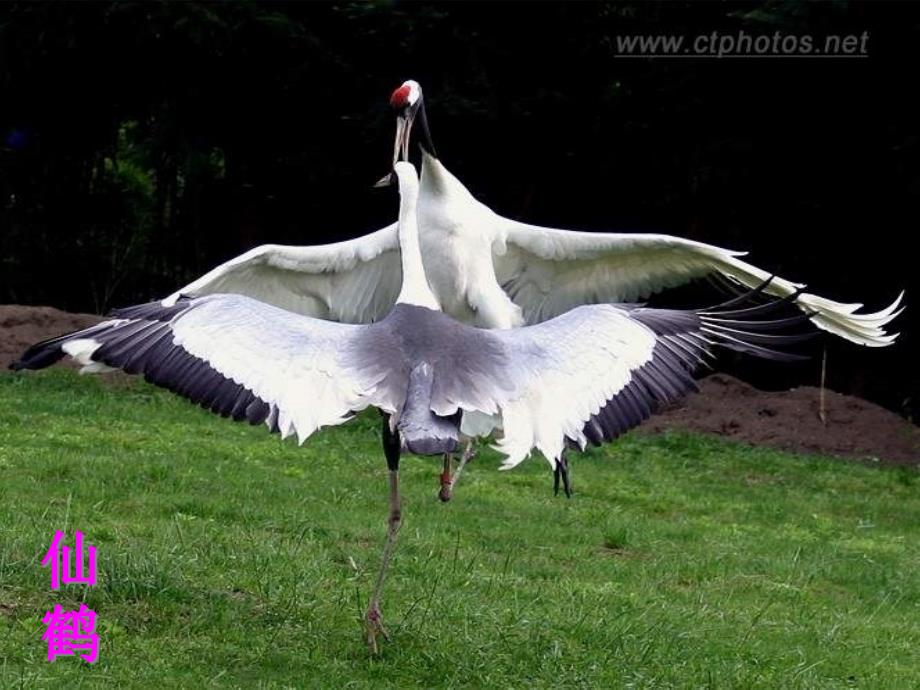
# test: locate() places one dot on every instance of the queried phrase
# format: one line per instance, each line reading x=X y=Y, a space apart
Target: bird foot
x=373 y=626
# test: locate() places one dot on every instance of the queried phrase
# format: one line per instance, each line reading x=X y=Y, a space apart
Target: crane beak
x=403 y=132
x=400 y=144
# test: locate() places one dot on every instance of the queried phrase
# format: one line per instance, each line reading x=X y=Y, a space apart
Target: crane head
x=407 y=96
x=408 y=104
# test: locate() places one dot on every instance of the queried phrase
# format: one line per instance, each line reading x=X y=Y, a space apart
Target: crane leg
x=373 y=621
x=448 y=480
x=562 y=472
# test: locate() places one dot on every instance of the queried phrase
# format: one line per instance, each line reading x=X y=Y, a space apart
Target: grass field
x=229 y=558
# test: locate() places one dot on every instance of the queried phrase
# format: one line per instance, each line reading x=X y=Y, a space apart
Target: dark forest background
x=141 y=143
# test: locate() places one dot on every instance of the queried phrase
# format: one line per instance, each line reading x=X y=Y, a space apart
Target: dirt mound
x=726 y=407
x=22 y=326
x=788 y=420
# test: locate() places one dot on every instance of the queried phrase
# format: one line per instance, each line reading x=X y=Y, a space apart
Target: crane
x=583 y=377
x=495 y=272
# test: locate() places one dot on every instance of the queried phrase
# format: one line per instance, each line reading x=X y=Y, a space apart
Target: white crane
x=495 y=272
x=585 y=376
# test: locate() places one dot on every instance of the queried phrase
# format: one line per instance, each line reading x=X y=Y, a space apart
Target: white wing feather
x=547 y=272
x=296 y=364
x=356 y=281
x=564 y=371
x=300 y=366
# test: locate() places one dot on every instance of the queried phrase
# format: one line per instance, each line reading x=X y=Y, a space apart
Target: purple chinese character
x=62 y=571
x=70 y=632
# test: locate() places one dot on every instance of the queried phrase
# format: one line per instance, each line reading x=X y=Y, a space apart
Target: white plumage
x=548 y=271
x=356 y=281
x=494 y=272
x=565 y=371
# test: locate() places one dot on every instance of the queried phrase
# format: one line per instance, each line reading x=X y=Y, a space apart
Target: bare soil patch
x=22 y=326
x=789 y=420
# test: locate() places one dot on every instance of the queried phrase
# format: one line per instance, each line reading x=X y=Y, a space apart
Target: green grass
x=230 y=558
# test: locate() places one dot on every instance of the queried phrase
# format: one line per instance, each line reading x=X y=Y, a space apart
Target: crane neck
x=415 y=288
x=425 y=140
x=439 y=181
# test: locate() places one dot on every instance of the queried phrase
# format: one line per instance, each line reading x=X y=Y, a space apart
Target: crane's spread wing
x=233 y=355
x=356 y=281
x=547 y=272
x=599 y=370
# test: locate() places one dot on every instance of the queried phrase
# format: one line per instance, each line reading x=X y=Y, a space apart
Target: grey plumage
x=422 y=431
x=425 y=368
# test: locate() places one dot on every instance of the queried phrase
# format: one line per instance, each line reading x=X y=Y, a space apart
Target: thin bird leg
x=373 y=620
x=446 y=479
x=447 y=487
x=561 y=471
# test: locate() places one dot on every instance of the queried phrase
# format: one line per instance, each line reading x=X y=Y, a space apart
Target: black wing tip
x=746 y=330
x=742 y=296
x=683 y=338
x=727 y=310
x=39 y=356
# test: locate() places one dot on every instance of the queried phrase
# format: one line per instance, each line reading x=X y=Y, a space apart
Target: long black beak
x=404 y=123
